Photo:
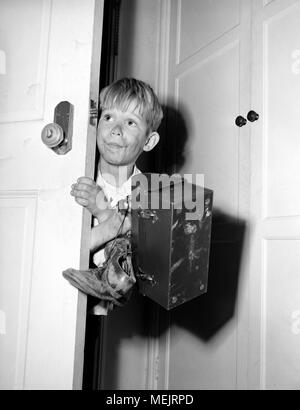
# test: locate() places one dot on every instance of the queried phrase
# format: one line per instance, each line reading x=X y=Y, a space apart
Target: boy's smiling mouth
x=114 y=145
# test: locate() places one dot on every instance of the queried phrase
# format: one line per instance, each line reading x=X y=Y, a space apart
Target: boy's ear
x=152 y=140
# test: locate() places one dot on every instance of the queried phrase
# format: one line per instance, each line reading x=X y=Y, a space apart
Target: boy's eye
x=107 y=117
x=131 y=123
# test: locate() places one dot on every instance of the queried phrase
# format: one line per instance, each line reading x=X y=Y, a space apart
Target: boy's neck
x=115 y=175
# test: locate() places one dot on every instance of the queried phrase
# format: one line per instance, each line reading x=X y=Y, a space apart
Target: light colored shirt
x=114 y=195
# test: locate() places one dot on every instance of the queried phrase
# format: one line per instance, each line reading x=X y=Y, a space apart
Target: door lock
x=252 y=116
x=58 y=135
x=240 y=121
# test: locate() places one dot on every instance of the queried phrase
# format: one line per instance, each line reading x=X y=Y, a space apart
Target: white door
x=46 y=56
x=209 y=84
x=274 y=332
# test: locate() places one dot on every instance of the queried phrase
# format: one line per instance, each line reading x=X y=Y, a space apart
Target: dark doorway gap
x=95 y=325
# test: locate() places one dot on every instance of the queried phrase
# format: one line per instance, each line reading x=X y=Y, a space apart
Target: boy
x=130 y=116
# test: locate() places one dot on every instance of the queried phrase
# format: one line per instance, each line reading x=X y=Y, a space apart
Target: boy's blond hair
x=125 y=91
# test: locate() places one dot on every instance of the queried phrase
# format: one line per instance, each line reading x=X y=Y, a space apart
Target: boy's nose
x=117 y=130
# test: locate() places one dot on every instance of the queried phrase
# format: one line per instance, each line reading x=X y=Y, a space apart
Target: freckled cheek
x=100 y=143
x=99 y=138
x=136 y=149
x=102 y=135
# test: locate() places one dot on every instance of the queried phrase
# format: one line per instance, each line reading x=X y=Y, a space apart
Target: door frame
x=89 y=172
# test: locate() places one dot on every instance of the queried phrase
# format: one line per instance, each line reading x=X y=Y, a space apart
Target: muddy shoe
x=111 y=282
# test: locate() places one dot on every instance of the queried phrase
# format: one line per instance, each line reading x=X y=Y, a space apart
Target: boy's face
x=122 y=136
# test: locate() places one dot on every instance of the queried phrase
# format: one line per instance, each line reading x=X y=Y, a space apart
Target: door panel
x=282 y=120
x=17 y=216
x=202 y=22
x=23 y=95
x=274 y=287
x=46 y=57
x=203 y=92
x=281 y=314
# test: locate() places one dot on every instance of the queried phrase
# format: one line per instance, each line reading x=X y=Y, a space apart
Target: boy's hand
x=116 y=224
x=90 y=195
x=122 y=223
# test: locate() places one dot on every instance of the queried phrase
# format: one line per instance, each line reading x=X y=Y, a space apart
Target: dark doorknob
x=240 y=121
x=252 y=116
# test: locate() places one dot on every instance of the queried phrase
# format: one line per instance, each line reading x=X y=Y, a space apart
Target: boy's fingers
x=86 y=180
x=83 y=187
x=81 y=201
x=81 y=194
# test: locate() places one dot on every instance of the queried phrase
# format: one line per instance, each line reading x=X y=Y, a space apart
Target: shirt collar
x=115 y=193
